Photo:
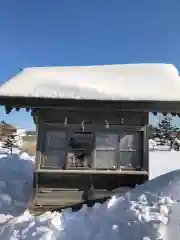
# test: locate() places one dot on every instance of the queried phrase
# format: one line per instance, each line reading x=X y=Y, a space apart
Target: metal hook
x=82 y=125
x=106 y=124
x=65 y=121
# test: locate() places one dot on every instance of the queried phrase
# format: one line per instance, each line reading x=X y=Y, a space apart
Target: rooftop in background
x=31 y=133
x=125 y=82
x=7 y=126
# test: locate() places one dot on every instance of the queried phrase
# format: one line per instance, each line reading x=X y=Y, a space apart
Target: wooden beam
x=135 y=106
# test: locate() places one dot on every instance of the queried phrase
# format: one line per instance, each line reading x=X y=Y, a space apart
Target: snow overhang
x=148 y=87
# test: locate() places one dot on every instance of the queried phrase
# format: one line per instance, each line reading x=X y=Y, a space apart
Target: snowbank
x=143 y=213
x=150 y=211
x=153 y=146
x=159 y=148
x=15 y=184
x=152 y=142
x=163 y=162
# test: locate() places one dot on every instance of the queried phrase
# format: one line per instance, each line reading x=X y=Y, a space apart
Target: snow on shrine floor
x=148 y=212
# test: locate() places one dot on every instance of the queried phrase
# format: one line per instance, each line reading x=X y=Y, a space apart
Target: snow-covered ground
x=153 y=146
x=148 y=212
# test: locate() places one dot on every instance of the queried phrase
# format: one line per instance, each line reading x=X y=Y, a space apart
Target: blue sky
x=79 y=32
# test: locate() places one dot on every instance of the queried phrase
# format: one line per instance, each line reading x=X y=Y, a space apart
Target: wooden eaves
x=29 y=103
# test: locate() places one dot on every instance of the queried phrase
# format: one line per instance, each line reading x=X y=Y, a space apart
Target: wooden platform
x=53 y=202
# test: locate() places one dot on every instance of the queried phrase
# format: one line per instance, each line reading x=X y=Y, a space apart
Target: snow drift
x=150 y=211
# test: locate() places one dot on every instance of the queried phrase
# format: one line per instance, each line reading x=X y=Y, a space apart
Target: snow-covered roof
x=126 y=82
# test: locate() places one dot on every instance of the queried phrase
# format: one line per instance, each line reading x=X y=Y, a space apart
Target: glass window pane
x=55 y=158
x=130 y=141
x=80 y=149
x=105 y=159
x=56 y=139
x=106 y=140
x=81 y=140
x=79 y=158
x=130 y=159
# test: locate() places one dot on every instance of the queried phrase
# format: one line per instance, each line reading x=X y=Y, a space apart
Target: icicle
x=106 y=124
x=65 y=121
x=82 y=125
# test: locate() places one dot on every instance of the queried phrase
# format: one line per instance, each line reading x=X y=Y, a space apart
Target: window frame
x=69 y=131
x=79 y=168
x=51 y=149
x=141 y=150
x=117 y=129
x=117 y=150
x=105 y=131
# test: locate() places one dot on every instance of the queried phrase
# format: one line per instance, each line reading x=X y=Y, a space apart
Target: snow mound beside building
x=150 y=211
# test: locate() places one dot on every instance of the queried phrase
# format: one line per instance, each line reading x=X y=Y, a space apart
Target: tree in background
x=6 y=129
x=10 y=142
x=165 y=125
x=164 y=133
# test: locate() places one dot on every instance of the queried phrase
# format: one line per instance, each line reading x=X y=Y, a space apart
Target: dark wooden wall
x=92 y=116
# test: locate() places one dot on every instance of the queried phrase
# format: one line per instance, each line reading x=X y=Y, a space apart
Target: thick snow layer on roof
x=159 y=82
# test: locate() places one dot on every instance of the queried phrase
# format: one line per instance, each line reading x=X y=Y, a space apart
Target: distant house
x=20 y=133
x=26 y=139
x=6 y=129
x=31 y=133
x=29 y=144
